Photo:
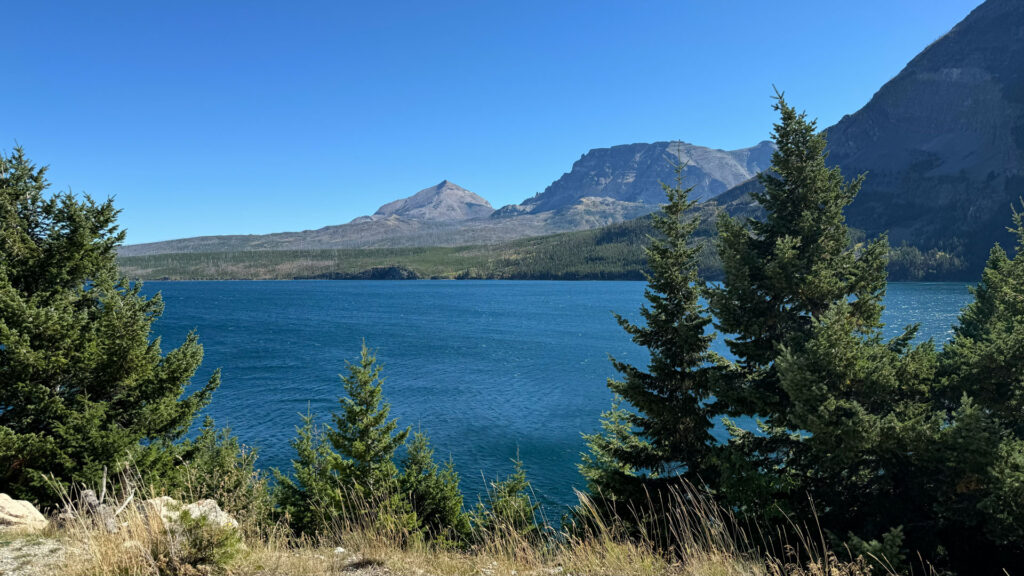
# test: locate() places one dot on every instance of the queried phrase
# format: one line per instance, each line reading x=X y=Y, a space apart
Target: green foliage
x=802 y=305
x=347 y=473
x=313 y=492
x=362 y=435
x=666 y=435
x=979 y=469
x=510 y=508
x=609 y=477
x=82 y=385
x=889 y=549
x=195 y=545
x=896 y=449
x=911 y=263
x=212 y=465
x=433 y=491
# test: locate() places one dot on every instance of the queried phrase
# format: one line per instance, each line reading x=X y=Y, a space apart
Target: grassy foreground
x=695 y=538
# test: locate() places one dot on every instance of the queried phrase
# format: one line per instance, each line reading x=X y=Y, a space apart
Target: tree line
x=614 y=252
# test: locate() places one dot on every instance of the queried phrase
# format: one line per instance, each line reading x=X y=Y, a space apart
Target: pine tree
x=510 y=508
x=609 y=478
x=362 y=434
x=985 y=358
x=977 y=472
x=782 y=274
x=314 y=494
x=845 y=416
x=434 y=493
x=859 y=409
x=348 y=471
x=83 y=387
x=665 y=434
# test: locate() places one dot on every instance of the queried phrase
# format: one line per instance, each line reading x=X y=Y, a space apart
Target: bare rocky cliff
x=633 y=173
x=446 y=202
x=942 y=143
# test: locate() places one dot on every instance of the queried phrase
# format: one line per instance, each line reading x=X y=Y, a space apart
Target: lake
x=487 y=369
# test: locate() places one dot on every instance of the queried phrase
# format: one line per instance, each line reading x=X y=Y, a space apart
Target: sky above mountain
x=251 y=117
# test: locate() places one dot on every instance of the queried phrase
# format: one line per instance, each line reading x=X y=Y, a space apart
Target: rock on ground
x=20 y=514
x=169 y=511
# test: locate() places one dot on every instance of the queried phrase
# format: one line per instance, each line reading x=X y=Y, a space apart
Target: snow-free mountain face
x=446 y=202
x=942 y=143
x=634 y=172
x=606 y=186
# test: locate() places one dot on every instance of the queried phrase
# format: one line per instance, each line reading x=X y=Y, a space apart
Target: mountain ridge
x=449 y=215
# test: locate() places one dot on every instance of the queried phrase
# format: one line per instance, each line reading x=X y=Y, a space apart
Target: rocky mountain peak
x=445 y=202
x=633 y=173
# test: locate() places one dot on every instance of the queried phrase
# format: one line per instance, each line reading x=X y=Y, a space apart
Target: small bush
x=195 y=545
x=216 y=466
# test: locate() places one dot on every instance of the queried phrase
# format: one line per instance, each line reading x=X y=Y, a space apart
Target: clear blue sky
x=219 y=117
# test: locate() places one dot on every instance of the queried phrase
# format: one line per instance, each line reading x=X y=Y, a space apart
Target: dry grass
x=693 y=537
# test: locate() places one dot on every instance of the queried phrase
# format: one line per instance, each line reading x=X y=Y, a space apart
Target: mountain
x=633 y=173
x=942 y=143
x=606 y=186
x=446 y=202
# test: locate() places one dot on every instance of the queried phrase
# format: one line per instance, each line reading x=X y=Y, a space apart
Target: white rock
x=20 y=514
x=165 y=508
x=210 y=510
x=169 y=511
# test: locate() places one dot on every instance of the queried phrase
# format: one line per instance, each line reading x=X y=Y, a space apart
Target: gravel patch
x=29 y=555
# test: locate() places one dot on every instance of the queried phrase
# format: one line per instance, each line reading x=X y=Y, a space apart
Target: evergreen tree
x=860 y=416
x=510 y=508
x=846 y=423
x=977 y=472
x=362 y=435
x=434 y=493
x=347 y=471
x=314 y=493
x=666 y=434
x=83 y=387
x=609 y=478
x=782 y=275
x=985 y=358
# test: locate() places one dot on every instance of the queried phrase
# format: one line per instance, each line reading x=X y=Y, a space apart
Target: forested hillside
x=615 y=252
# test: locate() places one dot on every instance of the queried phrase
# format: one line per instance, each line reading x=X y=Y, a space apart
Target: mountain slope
x=942 y=143
x=633 y=173
x=446 y=202
x=613 y=252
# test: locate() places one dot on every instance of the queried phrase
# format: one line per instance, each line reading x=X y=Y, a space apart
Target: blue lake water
x=485 y=368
